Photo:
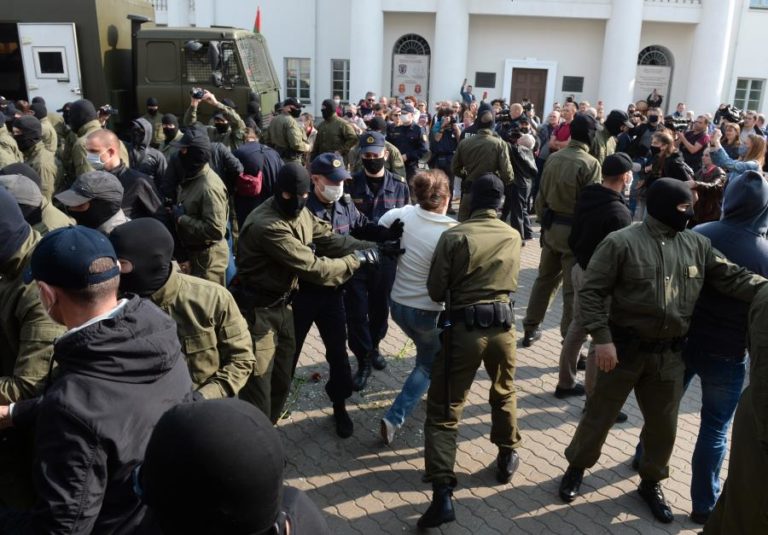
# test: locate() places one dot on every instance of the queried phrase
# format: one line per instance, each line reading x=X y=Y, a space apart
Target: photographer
x=692 y=143
x=228 y=128
x=443 y=141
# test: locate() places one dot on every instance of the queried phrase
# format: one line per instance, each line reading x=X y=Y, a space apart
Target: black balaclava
x=615 y=121
x=39 y=109
x=583 y=128
x=170 y=133
x=220 y=458
x=41 y=100
x=194 y=160
x=148 y=245
x=138 y=135
x=32 y=214
x=487 y=193
x=80 y=112
x=31 y=132
x=485 y=116
x=328 y=109
x=97 y=213
x=22 y=169
x=13 y=228
x=292 y=178
x=663 y=197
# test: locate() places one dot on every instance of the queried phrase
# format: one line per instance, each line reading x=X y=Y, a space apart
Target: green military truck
x=109 y=52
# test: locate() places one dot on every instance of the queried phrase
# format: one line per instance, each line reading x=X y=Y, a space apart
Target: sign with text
x=650 y=77
x=410 y=75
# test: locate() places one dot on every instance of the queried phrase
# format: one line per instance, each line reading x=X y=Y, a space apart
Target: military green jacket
x=334 y=135
x=42 y=160
x=603 y=145
x=213 y=334
x=653 y=276
x=78 y=163
x=26 y=331
x=481 y=154
x=206 y=209
x=758 y=364
x=156 y=121
x=167 y=148
x=566 y=173
x=273 y=252
x=50 y=137
x=478 y=260
x=52 y=218
x=394 y=161
x=62 y=131
x=286 y=137
x=232 y=138
x=9 y=150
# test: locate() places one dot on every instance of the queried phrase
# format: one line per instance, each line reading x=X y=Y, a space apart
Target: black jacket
x=523 y=163
x=599 y=212
x=223 y=162
x=139 y=196
x=144 y=158
x=116 y=378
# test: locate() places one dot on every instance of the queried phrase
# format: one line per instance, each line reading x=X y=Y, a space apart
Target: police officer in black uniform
x=324 y=305
x=374 y=190
x=409 y=140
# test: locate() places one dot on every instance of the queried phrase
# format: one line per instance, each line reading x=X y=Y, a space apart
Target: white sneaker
x=387 y=431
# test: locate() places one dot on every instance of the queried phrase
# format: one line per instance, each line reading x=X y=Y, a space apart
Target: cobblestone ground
x=366 y=487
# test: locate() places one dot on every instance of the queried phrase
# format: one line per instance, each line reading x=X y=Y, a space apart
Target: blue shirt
x=393 y=193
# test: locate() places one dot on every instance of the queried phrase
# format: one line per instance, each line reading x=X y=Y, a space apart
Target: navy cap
x=372 y=142
x=92 y=185
x=331 y=166
x=64 y=256
x=194 y=136
x=407 y=109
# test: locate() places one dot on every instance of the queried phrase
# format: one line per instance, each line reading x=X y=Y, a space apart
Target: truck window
x=257 y=64
x=213 y=63
x=162 y=67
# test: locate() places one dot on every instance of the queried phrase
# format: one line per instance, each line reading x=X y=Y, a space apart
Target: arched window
x=410 y=67
x=655 y=66
x=655 y=55
x=413 y=44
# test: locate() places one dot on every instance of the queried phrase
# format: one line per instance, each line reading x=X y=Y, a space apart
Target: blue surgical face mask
x=95 y=161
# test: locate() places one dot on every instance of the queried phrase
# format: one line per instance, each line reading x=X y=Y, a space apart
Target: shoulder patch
x=398 y=178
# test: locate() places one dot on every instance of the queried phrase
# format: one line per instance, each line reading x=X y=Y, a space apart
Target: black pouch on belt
x=469 y=317
x=484 y=315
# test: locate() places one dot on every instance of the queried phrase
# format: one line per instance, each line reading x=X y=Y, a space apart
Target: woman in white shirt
x=411 y=308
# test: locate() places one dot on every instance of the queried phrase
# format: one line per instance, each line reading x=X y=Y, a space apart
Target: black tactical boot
x=507 y=462
x=652 y=494
x=344 y=425
x=570 y=484
x=440 y=510
x=529 y=337
x=363 y=373
x=377 y=359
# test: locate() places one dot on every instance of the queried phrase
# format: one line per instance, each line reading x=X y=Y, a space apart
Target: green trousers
x=495 y=348
x=274 y=343
x=657 y=379
x=554 y=268
x=211 y=263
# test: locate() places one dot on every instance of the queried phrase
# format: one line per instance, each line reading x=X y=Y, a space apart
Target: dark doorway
x=12 y=85
x=530 y=84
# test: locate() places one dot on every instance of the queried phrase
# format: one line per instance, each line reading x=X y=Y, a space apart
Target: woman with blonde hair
x=752 y=160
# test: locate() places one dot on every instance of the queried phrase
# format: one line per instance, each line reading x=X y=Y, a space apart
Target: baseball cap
x=331 y=166
x=407 y=109
x=620 y=117
x=64 y=256
x=92 y=185
x=371 y=142
x=23 y=189
x=617 y=164
x=194 y=136
x=290 y=101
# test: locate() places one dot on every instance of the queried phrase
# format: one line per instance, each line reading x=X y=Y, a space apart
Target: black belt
x=248 y=298
x=562 y=219
x=485 y=315
x=623 y=335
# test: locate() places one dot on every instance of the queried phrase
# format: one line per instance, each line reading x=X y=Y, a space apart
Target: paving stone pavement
x=368 y=488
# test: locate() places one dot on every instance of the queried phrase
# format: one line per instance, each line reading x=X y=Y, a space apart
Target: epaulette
x=398 y=178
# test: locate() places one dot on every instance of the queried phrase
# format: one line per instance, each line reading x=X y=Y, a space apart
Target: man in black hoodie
x=601 y=209
x=120 y=368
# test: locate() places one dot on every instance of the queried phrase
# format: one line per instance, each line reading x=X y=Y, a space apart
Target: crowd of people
x=146 y=282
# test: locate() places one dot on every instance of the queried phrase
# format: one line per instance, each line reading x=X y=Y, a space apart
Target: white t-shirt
x=421 y=232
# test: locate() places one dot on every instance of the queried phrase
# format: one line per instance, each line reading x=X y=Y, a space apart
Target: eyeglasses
x=395 y=115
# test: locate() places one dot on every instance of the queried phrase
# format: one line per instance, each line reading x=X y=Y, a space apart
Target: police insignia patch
x=369 y=140
x=337 y=163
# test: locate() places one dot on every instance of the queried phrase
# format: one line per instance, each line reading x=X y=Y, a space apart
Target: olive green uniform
x=44 y=163
x=62 y=131
x=26 y=347
x=743 y=504
x=50 y=137
x=334 y=135
x=202 y=228
x=9 y=150
x=478 y=260
x=477 y=155
x=286 y=136
x=653 y=276
x=603 y=145
x=156 y=121
x=566 y=173
x=232 y=138
x=273 y=253
x=75 y=159
x=167 y=147
x=52 y=218
x=394 y=162
x=213 y=334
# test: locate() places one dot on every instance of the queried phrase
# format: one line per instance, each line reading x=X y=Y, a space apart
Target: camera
x=732 y=114
x=678 y=124
x=107 y=109
x=197 y=92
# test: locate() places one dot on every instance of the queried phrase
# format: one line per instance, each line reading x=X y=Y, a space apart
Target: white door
x=51 y=65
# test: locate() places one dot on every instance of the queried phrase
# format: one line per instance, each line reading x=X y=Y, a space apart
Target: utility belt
x=551 y=217
x=248 y=298
x=485 y=315
x=627 y=336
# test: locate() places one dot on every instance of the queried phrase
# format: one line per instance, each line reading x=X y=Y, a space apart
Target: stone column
x=620 y=48
x=709 y=56
x=449 y=53
x=366 y=49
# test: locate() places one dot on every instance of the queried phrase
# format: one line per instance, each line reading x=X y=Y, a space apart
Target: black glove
x=368 y=256
x=391 y=249
x=395 y=230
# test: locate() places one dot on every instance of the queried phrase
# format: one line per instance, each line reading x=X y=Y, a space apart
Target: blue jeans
x=421 y=327
x=722 y=380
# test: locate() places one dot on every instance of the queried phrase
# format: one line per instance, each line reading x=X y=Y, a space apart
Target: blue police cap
x=331 y=166
x=372 y=142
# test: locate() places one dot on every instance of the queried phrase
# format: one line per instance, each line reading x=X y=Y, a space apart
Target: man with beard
x=27 y=131
x=274 y=251
x=202 y=208
x=284 y=133
x=333 y=134
x=154 y=118
x=94 y=200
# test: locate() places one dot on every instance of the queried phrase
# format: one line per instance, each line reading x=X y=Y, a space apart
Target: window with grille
x=749 y=93
x=340 y=79
x=198 y=68
x=297 y=79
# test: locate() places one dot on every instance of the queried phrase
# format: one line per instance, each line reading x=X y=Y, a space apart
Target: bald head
x=104 y=144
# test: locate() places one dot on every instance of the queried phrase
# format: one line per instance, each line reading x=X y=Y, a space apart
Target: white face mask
x=333 y=193
x=336 y=102
x=95 y=161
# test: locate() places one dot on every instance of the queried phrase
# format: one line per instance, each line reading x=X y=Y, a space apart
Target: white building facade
x=701 y=52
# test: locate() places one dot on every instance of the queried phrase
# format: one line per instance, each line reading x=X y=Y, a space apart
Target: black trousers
x=516 y=207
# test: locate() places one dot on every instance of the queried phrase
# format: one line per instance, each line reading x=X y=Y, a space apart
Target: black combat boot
x=571 y=484
x=529 y=337
x=363 y=373
x=377 y=359
x=344 y=425
x=507 y=462
x=440 y=510
x=651 y=492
